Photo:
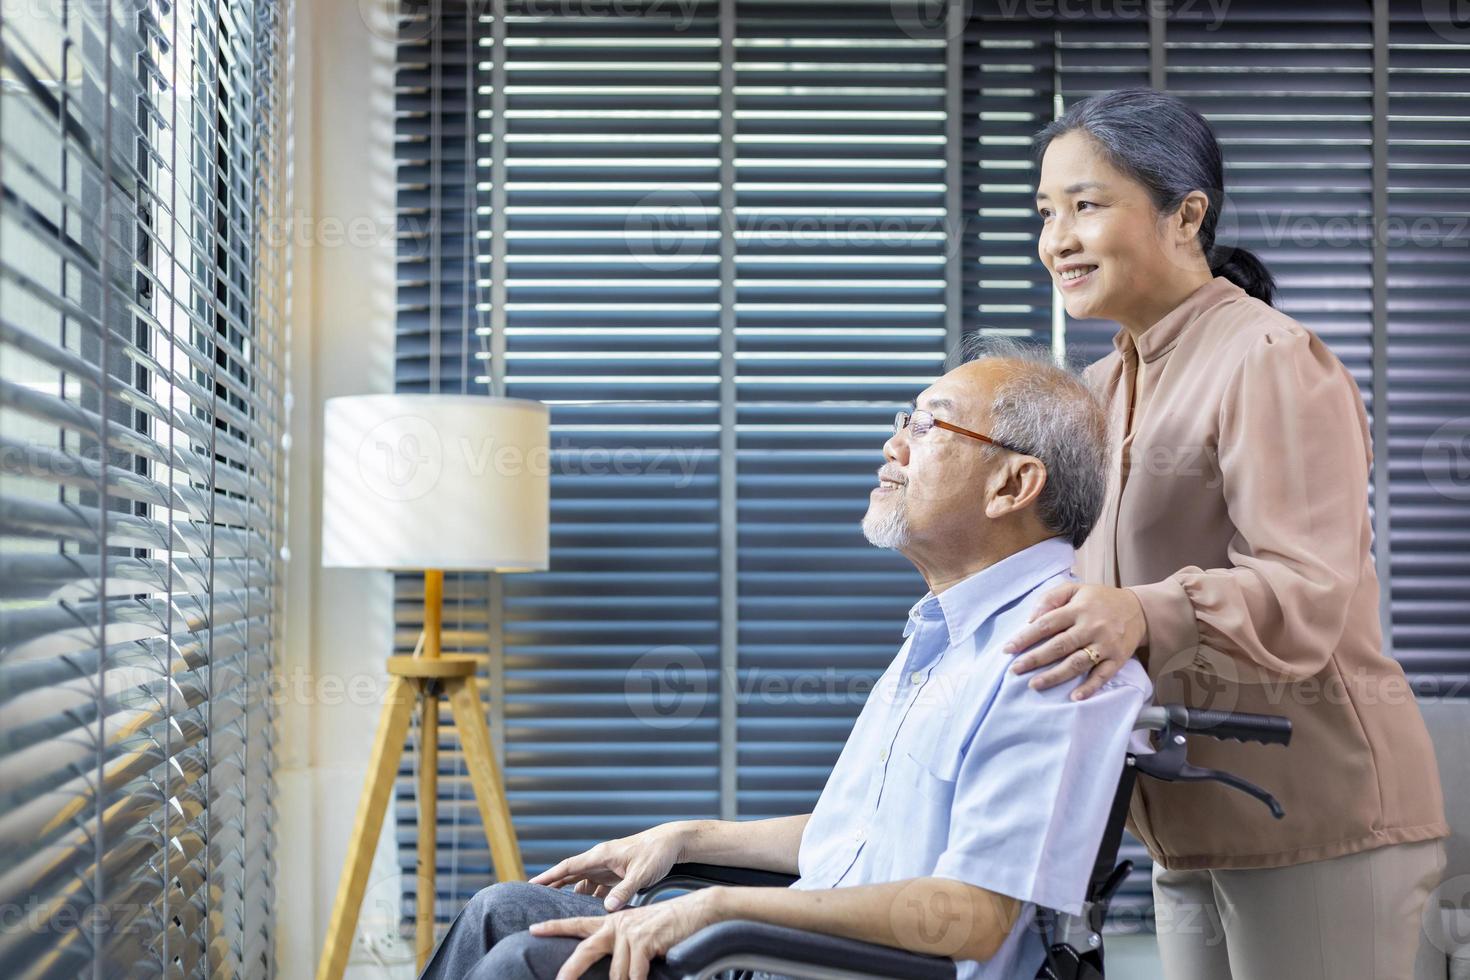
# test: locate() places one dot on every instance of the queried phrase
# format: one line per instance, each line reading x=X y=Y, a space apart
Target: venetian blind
x=142 y=295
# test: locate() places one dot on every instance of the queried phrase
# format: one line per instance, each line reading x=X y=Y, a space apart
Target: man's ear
x=1015 y=485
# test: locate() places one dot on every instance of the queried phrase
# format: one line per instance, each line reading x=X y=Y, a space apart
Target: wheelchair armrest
x=690 y=875
x=740 y=939
x=725 y=874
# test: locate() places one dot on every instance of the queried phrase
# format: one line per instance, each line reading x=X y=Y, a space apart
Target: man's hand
x=1071 y=619
x=614 y=870
x=632 y=937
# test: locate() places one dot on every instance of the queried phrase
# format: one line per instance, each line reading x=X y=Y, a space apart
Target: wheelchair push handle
x=1242 y=726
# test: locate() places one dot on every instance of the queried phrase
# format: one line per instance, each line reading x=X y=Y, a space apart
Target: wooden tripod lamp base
x=418 y=680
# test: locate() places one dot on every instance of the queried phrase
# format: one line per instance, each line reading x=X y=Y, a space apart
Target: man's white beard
x=889 y=528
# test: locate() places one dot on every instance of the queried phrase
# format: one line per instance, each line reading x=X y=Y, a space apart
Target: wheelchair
x=1074 y=942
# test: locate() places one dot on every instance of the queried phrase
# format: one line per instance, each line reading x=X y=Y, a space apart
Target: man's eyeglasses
x=919 y=422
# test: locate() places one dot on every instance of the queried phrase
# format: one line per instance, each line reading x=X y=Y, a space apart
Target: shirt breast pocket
x=932 y=770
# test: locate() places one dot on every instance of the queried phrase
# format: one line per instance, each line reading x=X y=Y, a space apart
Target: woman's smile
x=1075 y=275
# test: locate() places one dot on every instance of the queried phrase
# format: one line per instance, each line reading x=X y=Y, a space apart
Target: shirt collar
x=1160 y=338
x=966 y=605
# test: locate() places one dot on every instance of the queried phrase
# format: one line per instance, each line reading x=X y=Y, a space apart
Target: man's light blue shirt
x=955 y=768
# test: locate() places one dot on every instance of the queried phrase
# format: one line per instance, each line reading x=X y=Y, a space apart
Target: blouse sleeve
x=1294 y=455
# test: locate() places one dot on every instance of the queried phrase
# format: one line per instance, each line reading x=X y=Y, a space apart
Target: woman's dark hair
x=1166 y=146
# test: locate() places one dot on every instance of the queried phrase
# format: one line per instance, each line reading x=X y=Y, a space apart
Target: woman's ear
x=1017 y=484
x=1190 y=216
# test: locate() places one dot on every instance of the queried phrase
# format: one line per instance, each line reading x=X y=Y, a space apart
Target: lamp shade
x=452 y=482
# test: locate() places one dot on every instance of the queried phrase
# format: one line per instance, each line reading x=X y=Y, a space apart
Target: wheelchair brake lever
x=1170 y=765
x=1192 y=772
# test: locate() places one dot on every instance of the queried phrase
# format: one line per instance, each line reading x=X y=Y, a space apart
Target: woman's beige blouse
x=1237 y=512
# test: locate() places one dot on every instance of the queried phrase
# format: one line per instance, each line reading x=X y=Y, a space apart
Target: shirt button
x=917 y=677
x=883 y=756
x=858 y=834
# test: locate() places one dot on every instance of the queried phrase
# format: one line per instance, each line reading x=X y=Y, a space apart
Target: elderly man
x=963 y=799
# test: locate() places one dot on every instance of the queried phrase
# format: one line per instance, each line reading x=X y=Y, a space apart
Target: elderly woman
x=1234 y=559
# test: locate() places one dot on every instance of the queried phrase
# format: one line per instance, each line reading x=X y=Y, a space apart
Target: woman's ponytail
x=1245 y=270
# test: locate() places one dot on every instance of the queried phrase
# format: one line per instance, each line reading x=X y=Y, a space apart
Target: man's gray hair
x=1046 y=410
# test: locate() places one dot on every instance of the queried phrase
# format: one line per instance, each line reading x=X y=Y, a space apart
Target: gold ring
x=1092 y=655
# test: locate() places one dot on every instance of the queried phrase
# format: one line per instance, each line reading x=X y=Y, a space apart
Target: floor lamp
x=434 y=483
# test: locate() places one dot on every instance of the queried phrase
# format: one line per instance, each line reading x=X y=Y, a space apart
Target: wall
x=338 y=622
